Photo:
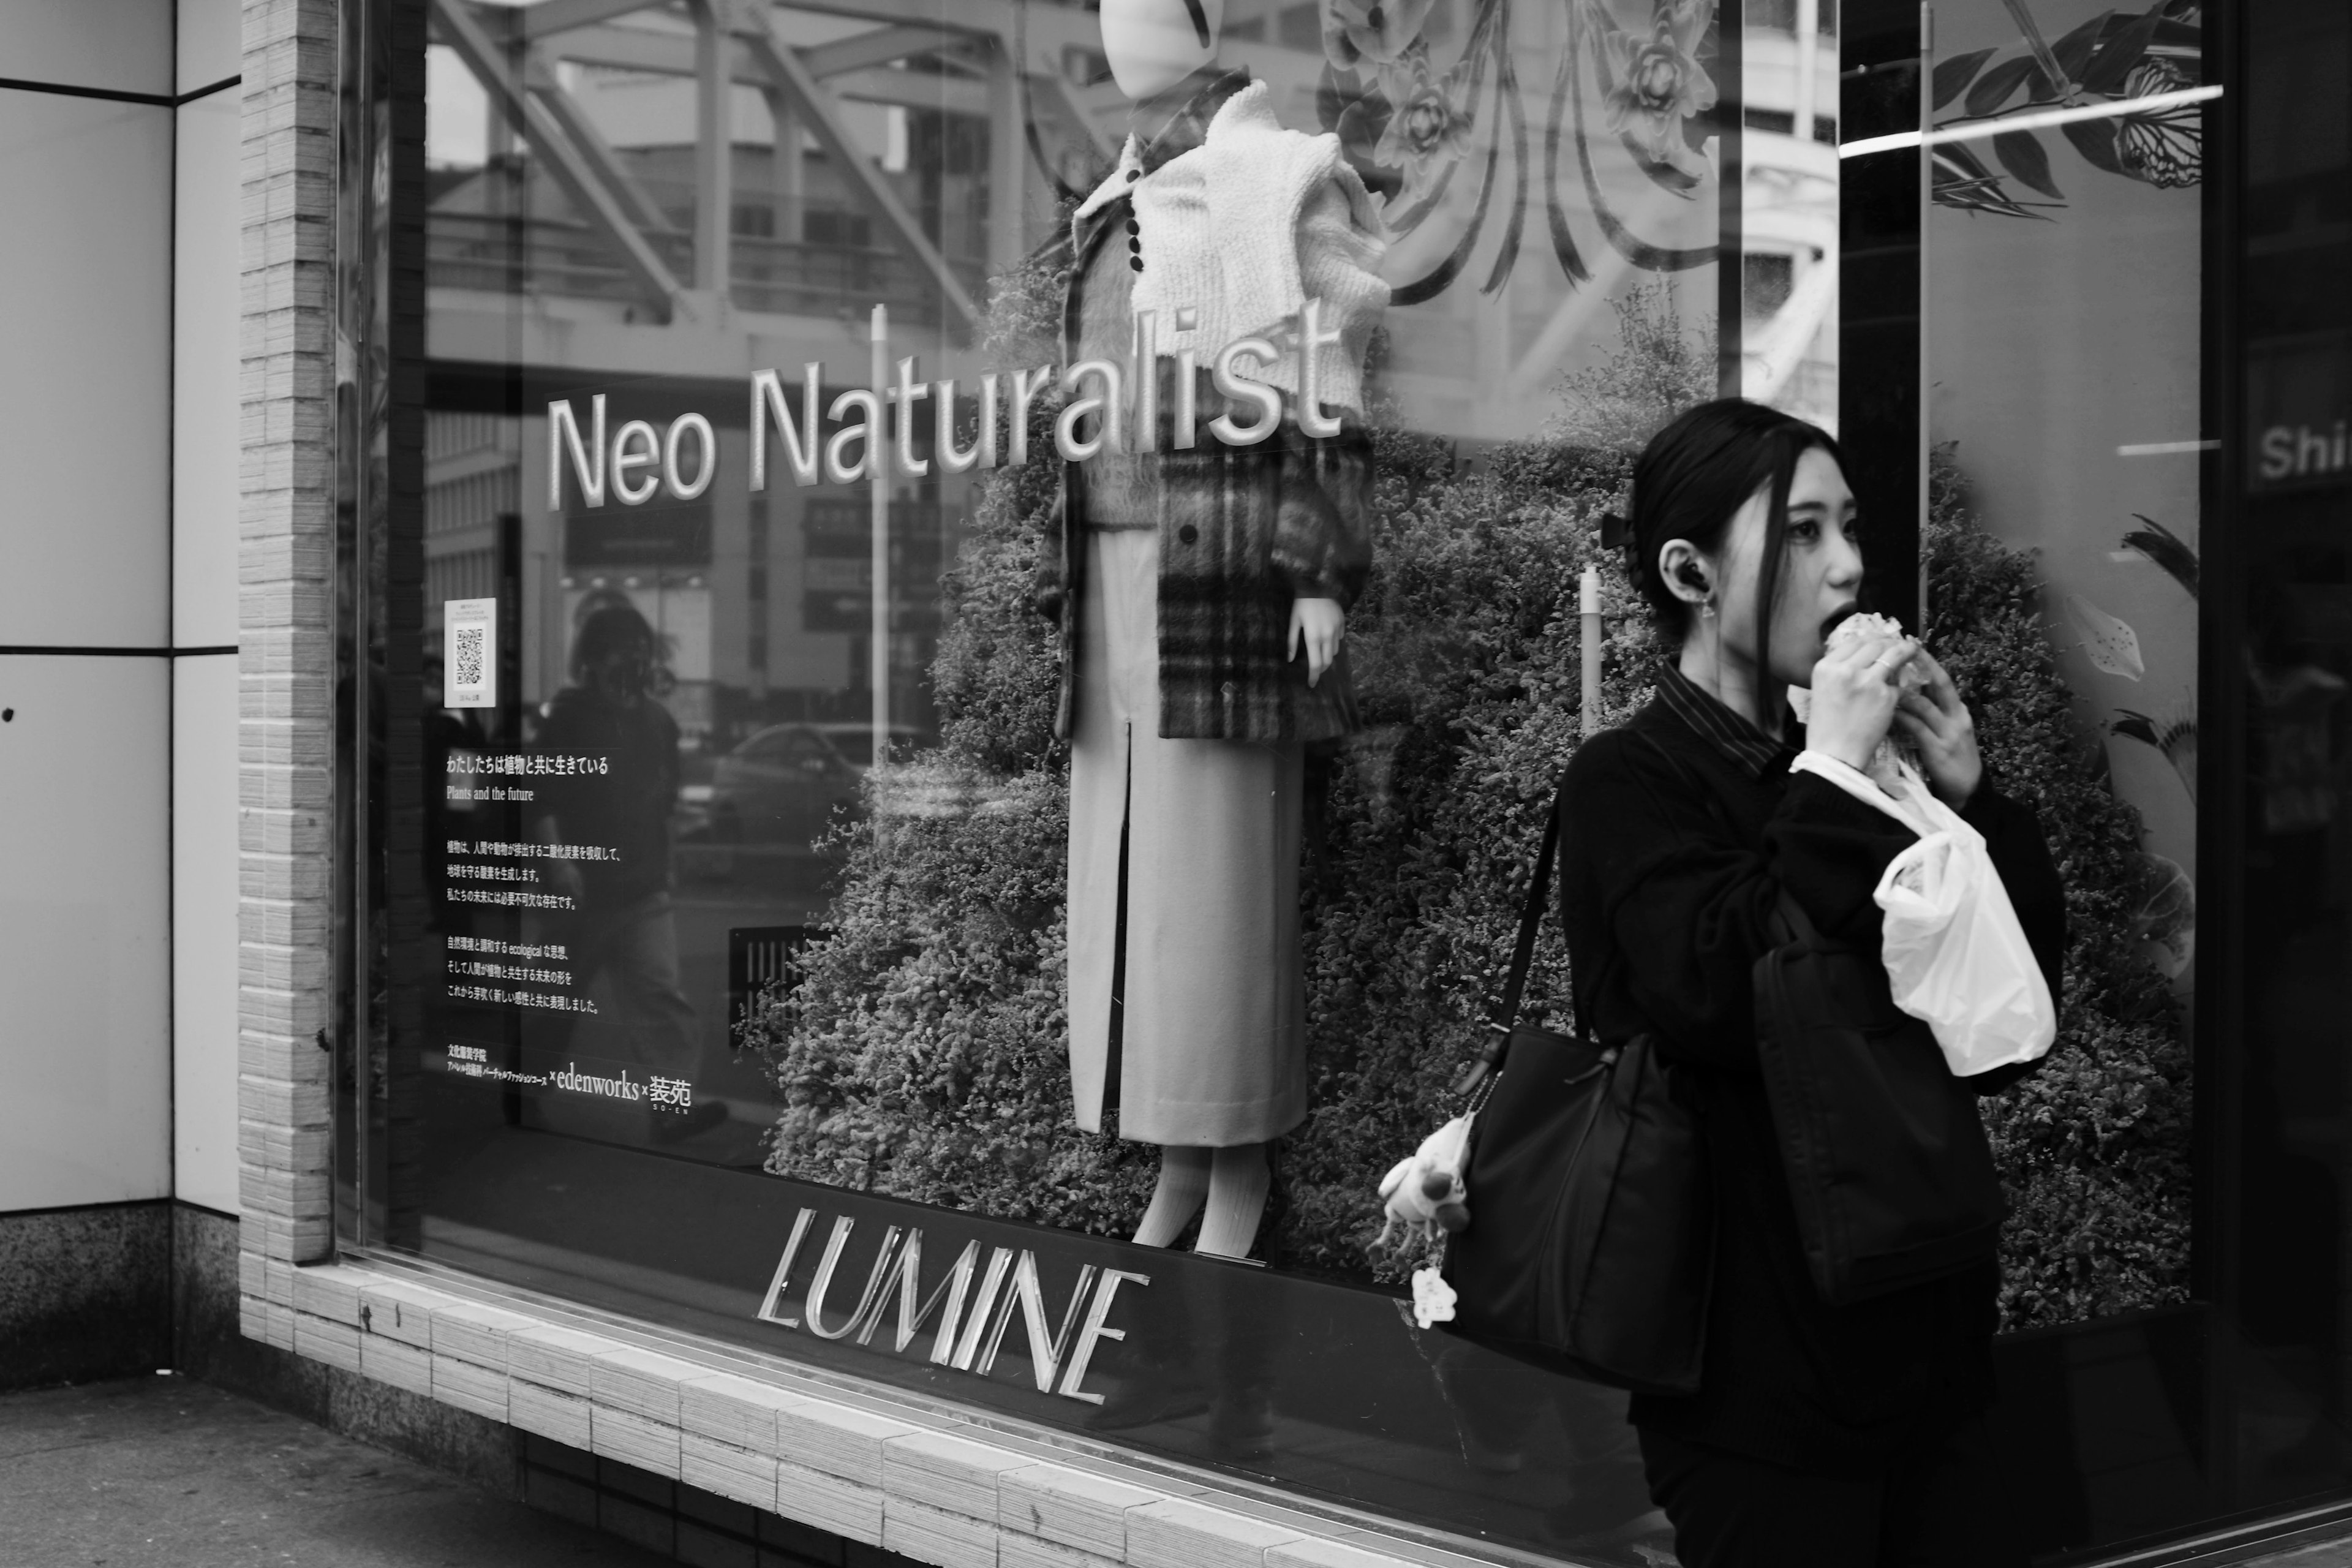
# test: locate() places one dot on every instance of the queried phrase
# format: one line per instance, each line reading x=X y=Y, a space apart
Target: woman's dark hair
x=1693 y=478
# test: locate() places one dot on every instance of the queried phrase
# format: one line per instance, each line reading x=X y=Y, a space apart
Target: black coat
x=1672 y=865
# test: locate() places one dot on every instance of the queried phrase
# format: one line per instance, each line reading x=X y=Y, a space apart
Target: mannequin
x=1202 y=598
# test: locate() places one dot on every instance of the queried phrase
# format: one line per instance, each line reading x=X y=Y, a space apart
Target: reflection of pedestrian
x=623 y=925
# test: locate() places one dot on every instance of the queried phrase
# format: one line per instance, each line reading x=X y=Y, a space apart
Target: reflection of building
x=761 y=600
x=470 y=482
x=758 y=622
x=604 y=207
x=1788 y=208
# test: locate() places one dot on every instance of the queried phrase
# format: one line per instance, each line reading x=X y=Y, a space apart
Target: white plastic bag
x=1954 y=953
x=1957 y=956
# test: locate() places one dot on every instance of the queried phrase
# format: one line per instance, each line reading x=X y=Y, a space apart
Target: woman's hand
x=1853 y=700
x=1938 y=723
x=1317 y=624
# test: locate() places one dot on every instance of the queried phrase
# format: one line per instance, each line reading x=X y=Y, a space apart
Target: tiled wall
x=285 y=366
x=118 y=603
x=205 y=219
x=86 y=190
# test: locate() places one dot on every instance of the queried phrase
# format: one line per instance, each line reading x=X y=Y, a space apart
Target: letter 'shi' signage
x=2299 y=415
x=962 y=1320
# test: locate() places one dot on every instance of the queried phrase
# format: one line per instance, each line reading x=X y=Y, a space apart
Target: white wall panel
x=84 y=955
x=204 y=930
x=211 y=42
x=204 y=373
x=125 y=45
x=85 y=404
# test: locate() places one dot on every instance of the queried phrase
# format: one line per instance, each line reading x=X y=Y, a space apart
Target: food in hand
x=1859 y=627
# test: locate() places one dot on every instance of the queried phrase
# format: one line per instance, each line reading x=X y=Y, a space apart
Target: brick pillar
x=285 y=652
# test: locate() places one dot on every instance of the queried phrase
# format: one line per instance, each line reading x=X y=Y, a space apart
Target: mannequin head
x=1152 y=45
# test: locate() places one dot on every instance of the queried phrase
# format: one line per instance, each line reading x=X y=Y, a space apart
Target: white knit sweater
x=1246 y=229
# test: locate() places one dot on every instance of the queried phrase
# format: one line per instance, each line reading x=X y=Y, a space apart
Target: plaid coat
x=1244 y=530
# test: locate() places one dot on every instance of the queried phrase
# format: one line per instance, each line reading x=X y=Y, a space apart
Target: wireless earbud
x=1691 y=576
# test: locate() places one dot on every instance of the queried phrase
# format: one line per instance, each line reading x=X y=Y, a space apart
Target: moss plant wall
x=924 y=1055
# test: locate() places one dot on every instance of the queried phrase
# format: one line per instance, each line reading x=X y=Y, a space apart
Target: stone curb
x=941 y=1497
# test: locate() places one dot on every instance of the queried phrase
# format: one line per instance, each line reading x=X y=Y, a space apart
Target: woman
x=1826 y=1435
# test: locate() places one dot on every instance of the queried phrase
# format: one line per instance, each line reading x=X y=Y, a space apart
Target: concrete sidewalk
x=165 y=1472
x=177 y=1474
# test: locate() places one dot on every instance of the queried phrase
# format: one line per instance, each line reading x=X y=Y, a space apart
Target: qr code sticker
x=469 y=653
x=467 y=648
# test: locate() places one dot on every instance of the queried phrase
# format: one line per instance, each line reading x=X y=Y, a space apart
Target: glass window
x=973 y=616
x=2063 y=447
x=985 y=611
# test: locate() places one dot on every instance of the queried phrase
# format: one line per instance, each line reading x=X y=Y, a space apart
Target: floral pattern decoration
x=1409 y=123
x=1658 y=88
x=1428 y=130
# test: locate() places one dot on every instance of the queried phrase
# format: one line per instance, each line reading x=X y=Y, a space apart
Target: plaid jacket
x=1244 y=530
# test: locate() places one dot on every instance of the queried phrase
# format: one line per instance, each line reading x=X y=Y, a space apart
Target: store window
x=965 y=625
x=899 y=822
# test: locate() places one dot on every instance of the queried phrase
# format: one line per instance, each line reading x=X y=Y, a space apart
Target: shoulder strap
x=1505 y=1014
x=1506 y=1007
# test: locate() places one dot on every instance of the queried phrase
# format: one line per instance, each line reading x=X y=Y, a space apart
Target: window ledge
x=926 y=1480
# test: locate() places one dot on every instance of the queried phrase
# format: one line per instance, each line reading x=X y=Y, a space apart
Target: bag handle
x=1505 y=1011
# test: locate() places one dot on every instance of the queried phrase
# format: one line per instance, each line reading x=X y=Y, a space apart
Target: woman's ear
x=1688 y=574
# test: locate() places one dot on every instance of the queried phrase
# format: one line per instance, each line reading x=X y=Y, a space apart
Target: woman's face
x=1821 y=575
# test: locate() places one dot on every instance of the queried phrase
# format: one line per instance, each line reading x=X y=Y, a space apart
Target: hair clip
x=1616 y=534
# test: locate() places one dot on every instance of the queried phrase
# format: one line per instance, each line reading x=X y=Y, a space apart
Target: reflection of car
x=779 y=786
x=855 y=742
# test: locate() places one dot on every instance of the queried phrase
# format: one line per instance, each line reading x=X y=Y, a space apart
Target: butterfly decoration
x=2166 y=147
x=2113 y=58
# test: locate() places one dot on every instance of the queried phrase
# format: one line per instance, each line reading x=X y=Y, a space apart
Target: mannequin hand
x=1853 y=698
x=1938 y=723
x=1317 y=624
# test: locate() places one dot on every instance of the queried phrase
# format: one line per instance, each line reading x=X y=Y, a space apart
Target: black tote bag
x=1589 y=1246
x=1886 y=1157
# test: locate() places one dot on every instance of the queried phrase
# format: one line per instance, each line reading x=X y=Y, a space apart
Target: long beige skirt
x=1213 y=1030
